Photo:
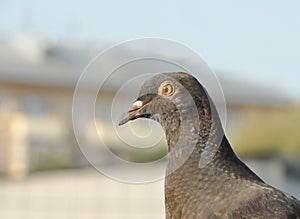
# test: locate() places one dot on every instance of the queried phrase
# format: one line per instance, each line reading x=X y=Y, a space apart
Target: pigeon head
x=178 y=102
x=166 y=98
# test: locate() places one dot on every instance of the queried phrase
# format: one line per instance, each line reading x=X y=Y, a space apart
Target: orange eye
x=166 y=89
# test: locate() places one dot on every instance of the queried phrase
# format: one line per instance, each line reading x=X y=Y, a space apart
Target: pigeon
x=204 y=177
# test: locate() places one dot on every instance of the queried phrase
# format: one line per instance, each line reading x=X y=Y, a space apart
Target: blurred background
x=253 y=47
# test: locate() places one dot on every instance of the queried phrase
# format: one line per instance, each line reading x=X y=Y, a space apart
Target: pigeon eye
x=166 y=89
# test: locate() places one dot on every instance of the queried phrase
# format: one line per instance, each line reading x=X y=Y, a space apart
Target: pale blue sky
x=252 y=40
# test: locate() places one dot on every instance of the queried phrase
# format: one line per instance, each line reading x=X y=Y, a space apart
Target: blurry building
x=37 y=82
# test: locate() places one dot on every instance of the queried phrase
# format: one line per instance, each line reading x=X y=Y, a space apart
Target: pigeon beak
x=134 y=112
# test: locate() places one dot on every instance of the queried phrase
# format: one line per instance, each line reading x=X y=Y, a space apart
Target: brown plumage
x=204 y=177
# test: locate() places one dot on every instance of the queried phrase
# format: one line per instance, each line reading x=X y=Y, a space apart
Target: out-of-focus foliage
x=267 y=132
x=50 y=162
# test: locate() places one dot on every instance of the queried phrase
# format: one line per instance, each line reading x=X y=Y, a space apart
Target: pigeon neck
x=201 y=125
x=194 y=137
